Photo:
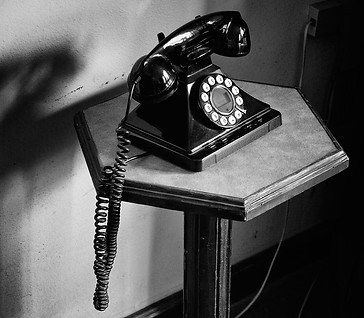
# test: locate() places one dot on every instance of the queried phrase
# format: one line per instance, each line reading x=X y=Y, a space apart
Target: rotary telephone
x=189 y=113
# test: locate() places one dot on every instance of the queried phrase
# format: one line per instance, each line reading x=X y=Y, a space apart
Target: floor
x=329 y=287
x=309 y=292
x=286 y=297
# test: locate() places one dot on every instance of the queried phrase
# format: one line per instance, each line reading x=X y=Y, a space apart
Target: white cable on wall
x=303 y=55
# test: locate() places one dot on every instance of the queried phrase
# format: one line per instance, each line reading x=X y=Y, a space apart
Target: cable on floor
x=270 y=267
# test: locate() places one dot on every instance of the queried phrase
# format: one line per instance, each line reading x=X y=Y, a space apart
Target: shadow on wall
x=27 y=140
x=24 y=135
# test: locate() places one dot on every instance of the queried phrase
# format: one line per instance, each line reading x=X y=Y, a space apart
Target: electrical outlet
x=324 y=17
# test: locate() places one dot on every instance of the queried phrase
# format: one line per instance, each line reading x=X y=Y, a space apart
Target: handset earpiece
x=156 y=79
x=233 y=38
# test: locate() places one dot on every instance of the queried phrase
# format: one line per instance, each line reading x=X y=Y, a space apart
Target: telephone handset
x=224 y=33
x=189 y=113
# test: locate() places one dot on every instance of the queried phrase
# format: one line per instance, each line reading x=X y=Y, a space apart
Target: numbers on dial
x=221 y=100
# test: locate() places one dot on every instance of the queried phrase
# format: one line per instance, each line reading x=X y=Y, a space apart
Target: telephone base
x=211 y=153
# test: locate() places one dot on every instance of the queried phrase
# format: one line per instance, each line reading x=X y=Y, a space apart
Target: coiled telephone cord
x=107 y=224
x=107 y=214
x=101 y=298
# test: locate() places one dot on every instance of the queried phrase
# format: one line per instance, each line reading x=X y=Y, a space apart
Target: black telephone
x=190 y=113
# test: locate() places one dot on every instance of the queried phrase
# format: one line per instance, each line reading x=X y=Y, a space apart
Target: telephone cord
x=107 y=214
x=101 y=299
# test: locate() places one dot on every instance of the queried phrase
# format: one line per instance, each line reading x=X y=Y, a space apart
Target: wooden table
x=272 y=169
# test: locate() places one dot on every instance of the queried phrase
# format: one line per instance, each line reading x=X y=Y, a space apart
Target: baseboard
x=170 y=306
x=295 y=254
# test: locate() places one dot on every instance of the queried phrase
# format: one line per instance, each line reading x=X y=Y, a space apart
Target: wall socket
x=324 y=17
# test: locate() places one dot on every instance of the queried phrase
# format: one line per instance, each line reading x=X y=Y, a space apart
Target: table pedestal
x=207 y=266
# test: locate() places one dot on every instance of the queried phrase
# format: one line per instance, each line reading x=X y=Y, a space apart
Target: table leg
x=206 y=291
